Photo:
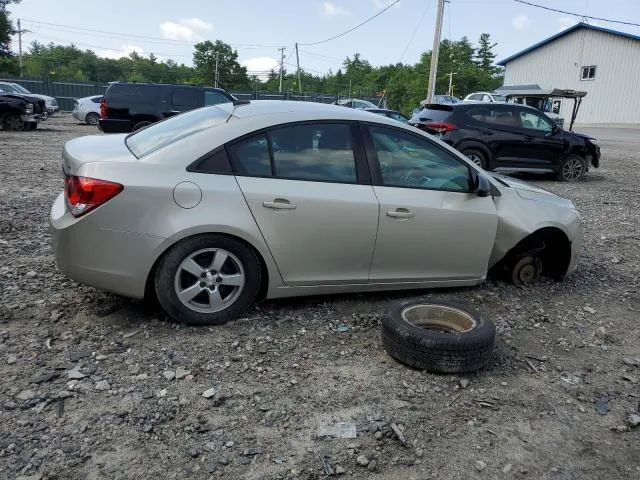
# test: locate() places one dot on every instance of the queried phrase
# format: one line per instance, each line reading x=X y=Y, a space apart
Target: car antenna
x=235 y=101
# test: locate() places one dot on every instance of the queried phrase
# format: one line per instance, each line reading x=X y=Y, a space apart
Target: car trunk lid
x=95 y=148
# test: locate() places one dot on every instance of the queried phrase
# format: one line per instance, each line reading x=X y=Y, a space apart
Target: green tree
x=230 y=73
x=6 y=28
x=485 y=55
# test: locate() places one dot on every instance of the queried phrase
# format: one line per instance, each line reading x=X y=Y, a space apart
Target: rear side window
x=320 y=152
x=494 y=116
x=133 y=93
x=96 y=100
x=187 y=97
x=250 y=157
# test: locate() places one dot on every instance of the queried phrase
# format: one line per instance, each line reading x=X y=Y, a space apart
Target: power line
x=353 y=28
x=577 y=14
x=146 y=37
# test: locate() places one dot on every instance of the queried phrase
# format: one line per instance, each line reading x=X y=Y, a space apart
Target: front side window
x=534 y=121
x=588 y=73
x=410 y=161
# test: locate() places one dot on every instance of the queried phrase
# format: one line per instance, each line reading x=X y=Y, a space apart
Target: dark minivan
x=510 y=137
x=127 y=107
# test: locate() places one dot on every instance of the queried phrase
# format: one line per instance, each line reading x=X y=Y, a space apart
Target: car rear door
x=309 y=190
x=431 y=227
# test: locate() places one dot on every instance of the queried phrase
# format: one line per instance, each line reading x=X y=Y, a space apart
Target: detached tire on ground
x=438 y=336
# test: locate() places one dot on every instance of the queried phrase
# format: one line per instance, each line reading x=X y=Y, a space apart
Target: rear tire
x=572 y=169
x=140 y=125
x=476 y=156
x=194 y=289
x=92 y=118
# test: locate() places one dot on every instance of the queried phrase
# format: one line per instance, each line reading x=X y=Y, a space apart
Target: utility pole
x=216 y=74
x=450 y=75
x=298 y=65
x=20 y=32
x=434 y=52
x=282 y=49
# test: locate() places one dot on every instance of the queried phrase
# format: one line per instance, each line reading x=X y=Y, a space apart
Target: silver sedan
x=216 y=208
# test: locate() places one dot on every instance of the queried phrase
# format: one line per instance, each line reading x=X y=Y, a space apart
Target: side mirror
x=481 y=186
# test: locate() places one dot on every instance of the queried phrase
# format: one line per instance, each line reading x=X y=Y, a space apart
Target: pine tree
x=485 y=55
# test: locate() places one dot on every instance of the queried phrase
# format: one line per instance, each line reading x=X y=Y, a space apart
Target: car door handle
x=400 y=213
x=280 y=204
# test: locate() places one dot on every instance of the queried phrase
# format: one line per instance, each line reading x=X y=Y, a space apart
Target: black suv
x=509 y=137
x=127 y=107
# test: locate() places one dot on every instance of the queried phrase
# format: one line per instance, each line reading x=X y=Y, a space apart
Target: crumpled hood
x=533 y=192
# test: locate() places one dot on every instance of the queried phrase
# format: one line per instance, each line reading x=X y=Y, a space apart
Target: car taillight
x=103 y=109
x=440 y=127
x=83 y=194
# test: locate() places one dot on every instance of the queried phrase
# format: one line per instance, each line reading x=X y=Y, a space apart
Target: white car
x=50 y=102
x=485 y=97
x=87 y=109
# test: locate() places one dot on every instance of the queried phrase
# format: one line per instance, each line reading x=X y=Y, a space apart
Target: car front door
x=543 y=143
x=431 y=226
x=309 y=190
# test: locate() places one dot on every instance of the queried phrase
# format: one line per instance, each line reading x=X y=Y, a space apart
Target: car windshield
x=161 y=134
x=499 y=98
x=9 y=88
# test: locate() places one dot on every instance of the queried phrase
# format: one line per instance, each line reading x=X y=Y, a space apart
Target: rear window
x=432 y=115
x=159 y=135
x=133 y=93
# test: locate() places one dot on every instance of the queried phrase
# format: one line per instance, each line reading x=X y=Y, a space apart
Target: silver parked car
x=220 y=206
x=87 y=109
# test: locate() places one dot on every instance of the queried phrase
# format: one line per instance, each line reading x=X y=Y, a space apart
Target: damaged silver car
x=216 y=208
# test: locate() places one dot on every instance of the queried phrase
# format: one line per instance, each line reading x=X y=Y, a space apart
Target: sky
x=257 y=28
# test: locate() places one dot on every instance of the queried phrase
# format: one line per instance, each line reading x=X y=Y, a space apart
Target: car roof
x=315 y=111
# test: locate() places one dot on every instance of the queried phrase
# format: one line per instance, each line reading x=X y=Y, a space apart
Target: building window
x=588 y=73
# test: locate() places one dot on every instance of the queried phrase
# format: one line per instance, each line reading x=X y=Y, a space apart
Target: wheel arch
x=553 y=246
x=266 y=265
x=463 y=144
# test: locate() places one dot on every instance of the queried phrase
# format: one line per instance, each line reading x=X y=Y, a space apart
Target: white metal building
x=604 y=63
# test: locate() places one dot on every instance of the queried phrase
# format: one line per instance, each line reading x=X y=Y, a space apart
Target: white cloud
x=380 y=4
x=188 y=30
x=332 y=10
x=566 y=22
x=116 y=54
x=259 y=64
x=520 y=22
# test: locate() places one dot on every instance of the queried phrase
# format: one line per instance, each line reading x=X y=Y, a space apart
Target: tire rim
x=92 y=119
x=572 y=169
x=439 y=318
x=209 y=280
x=13 y=123
x=475 y=159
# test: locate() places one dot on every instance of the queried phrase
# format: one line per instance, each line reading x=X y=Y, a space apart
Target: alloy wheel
x=209 y=280
x=475 y=159
x=572 y=169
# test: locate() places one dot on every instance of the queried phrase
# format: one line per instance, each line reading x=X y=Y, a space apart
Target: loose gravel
x=99 y=387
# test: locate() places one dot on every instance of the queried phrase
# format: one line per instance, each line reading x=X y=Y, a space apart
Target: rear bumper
x=114 y=126
x=111 y=260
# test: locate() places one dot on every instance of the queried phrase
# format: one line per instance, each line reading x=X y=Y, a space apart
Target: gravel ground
x=95 y=386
